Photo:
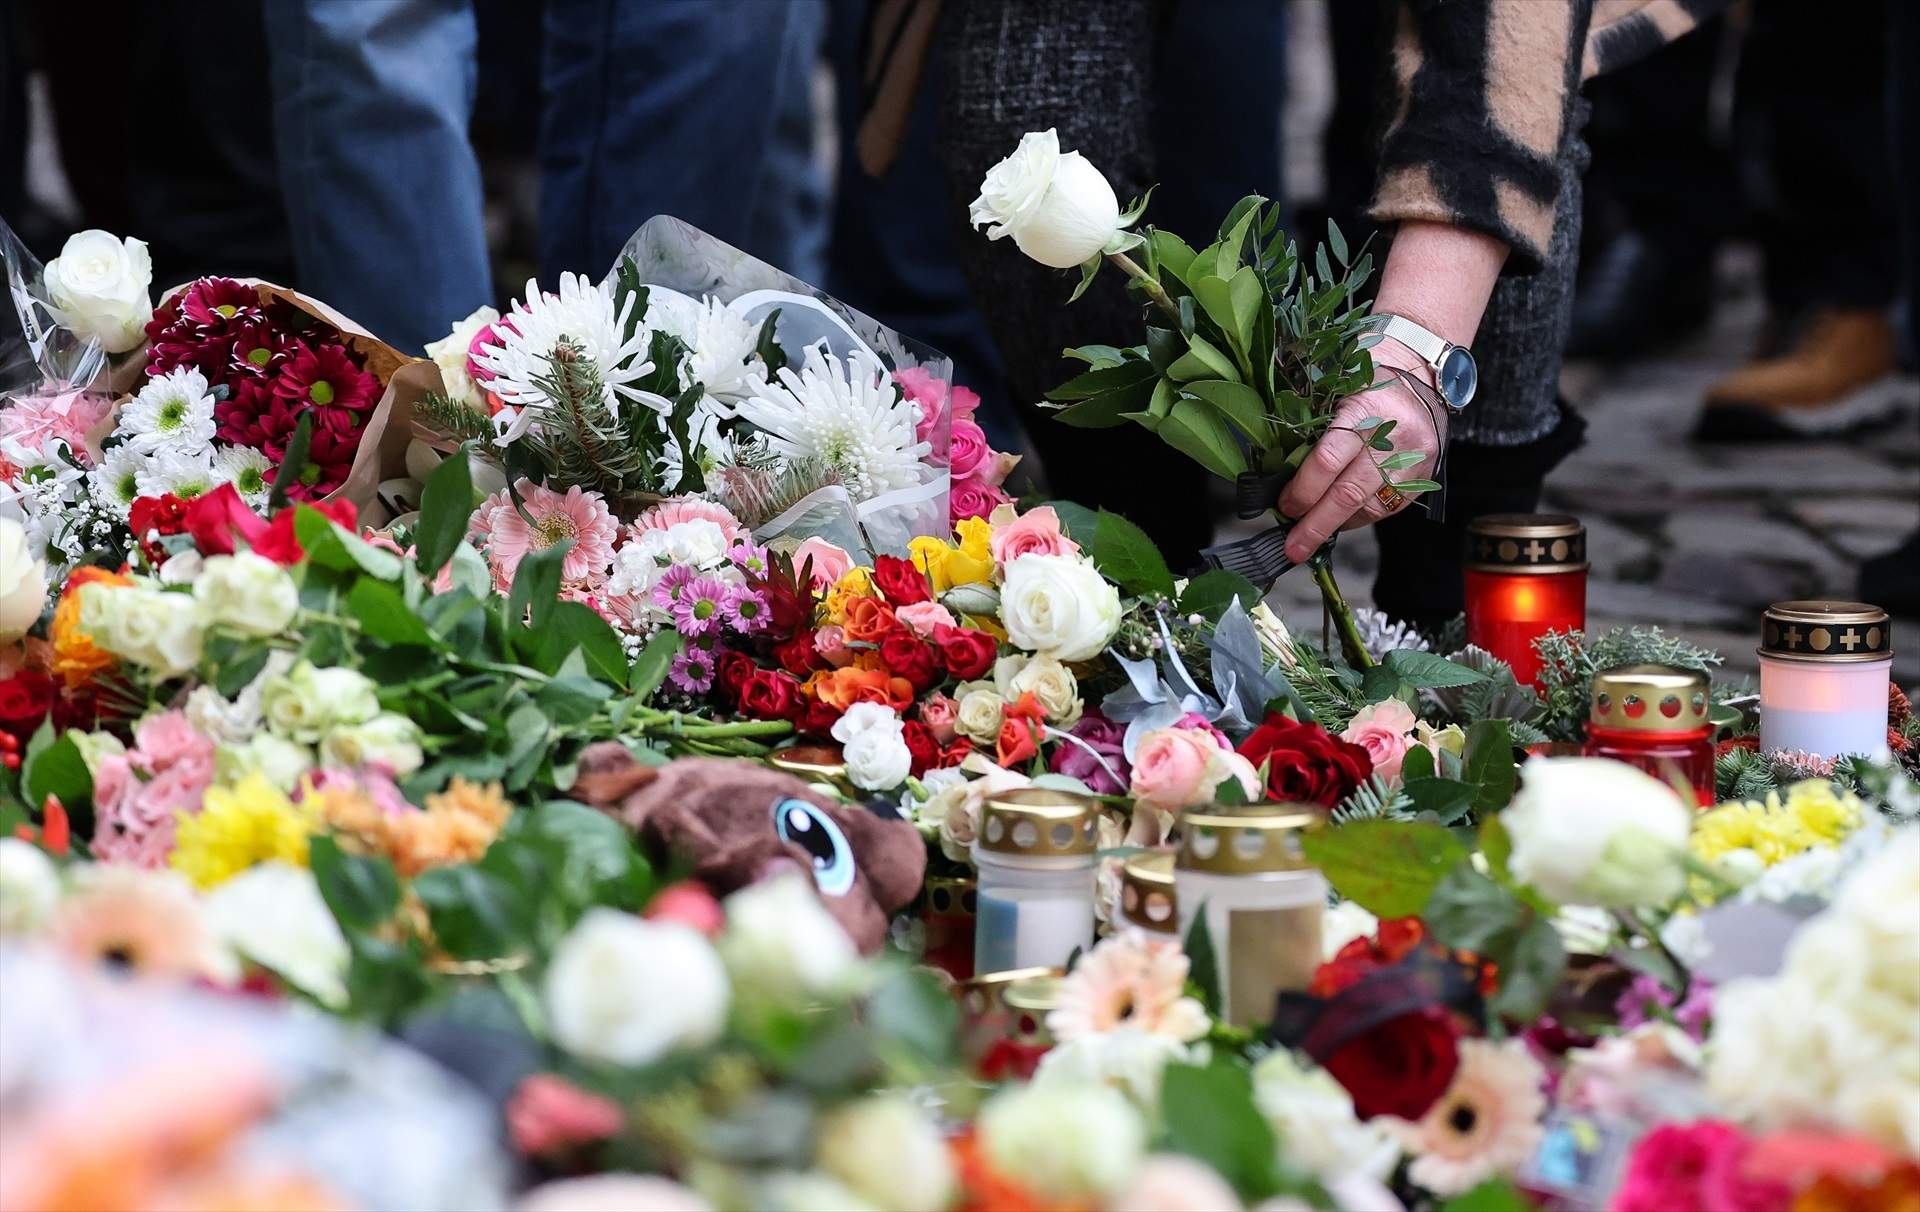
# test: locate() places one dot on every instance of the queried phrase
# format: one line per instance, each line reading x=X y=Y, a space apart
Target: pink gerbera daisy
x=1484 y=1126
x=675 y=510
x=576 y=514
x=1130 y=980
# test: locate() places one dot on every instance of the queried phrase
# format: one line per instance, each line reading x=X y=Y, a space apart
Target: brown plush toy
x=738 y=821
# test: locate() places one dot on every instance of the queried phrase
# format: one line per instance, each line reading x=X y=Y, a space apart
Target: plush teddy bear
x=739 y=821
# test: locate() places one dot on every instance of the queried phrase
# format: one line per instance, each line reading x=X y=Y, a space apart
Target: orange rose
x=842 y=688
x=75 y=656
x=868 y=620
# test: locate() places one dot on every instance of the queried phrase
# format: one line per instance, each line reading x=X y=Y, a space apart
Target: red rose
x=730 y=673
x=899 y=581
x=910 y=657
x=25 y=699
x=1400 y=1067
x=217 y=518
x=955 y=752
x=149 y=518
x=1304 y=764
x=771 y=694
x=798 y=656
x=818 y=720
x=921 y=745
x=968 y=653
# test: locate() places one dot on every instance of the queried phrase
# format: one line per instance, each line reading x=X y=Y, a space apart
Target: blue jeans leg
x=700 y=109
x=370 y=106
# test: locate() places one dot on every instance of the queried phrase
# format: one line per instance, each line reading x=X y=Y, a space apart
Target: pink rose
x=690 y=903
x=1696 y=1165
x=1035 y=532
x=996 y=472
x=1193 y=721
x=831 y=643
x=1170 y=768
x=940 y=713
x=967 y=450
x=549 y=1114
x=828 y=563
x=974 y=498
x=922 y=617
x=1381 y=729
x=962 y=401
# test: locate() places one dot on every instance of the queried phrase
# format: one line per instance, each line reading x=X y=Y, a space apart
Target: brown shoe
x=1838 y=378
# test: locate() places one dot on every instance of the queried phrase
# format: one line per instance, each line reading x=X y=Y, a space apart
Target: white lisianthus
x=888 y=1152
x=246 y=592
x=781 y=943
x=638 y=565
x=172 y=414
x=1058 y=606
x=273 y=914
x=305 y=703
x=280 y=761
x=23 y=582
x=387 y=739
x=873 y=746
x=99 y=286
x=1064 y=1140
x=29 y=887
x=1312 y=1117
x=1129 y=1060
x=628 y=991
x=1057 y=207
x=151 y=627
x=1591 y=831
x=449 y=353
x=1053 y=686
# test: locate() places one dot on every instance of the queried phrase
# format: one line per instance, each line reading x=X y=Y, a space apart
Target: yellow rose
x=975 y=536
x=965 y=568
x=930 y=556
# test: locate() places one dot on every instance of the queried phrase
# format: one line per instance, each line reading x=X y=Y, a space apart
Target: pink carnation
x=675 y=510
x=576 y=514
x=973 y=498
x=1697 y=1165
x=30 y=421
x=1035 y=532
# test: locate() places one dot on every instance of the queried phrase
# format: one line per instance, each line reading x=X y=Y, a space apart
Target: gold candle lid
x=809 y=761
x=1029 y=1001
x=1147 y=891
x=1526 y=543
x=989 y=990
x=1039 y=822
x=1649 y=698
x=1826 y=631
x=1245 y=840
x=952 y=894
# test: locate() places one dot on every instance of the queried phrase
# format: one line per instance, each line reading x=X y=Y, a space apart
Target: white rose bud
x=246 y=592
x=1592 y=831
x=23 y=582
x=1058 y=606
x=29 y=887
x=388 y=740
x=1053 y=686
x=603 y=989
x=99 y=286
x=1058 y=208
x=889 y=1153
x=153 y=628
x=782 y=944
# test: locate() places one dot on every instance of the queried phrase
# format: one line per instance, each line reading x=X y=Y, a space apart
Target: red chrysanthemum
x=324 y=376
x=238 y=419
x=258 y=351
x=219 y=307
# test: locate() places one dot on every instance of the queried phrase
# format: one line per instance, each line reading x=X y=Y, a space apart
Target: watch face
x=1459 y=378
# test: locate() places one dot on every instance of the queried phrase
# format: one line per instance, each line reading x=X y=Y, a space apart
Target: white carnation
x=874 y=747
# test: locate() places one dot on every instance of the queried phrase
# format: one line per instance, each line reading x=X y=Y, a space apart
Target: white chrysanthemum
x=720 y=344
x=185 y=476
x=847 y=414
x=583 y=314
x=116 y=481
x=173 y=413
x=248 y=470
x=711 y=448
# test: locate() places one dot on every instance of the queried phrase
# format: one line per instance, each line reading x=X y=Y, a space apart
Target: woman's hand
x=1340 y=485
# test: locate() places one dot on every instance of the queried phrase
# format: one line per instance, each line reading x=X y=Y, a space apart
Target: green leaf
x=384 y=614
x=1098 y=357
x=1171 y=252
x=1210 y=1115
x=1203 y=964
x=1446 y=799
x=1488 y=763
x=332 y=546
x=53 y=767
x=1210 y=593
x=361 y=891
x=384 y=980
x=1338 y=241
x=1471 y=912
x=536 y=583
x=1494 y=1195
x=1418 y=764
x=1198 y=431
x=655 y=659
x=292 y=465
x=1529 y=970
x=1110 y=409
x=1240 y=404
x=1203 y=360
x=1390 y=868
x=1425 y=671
x=1124 y=553
x=446 y=507
x=1099 y=381
x=574 y=627
x=1089 y=269
x=910 y=1009
x=475 y=915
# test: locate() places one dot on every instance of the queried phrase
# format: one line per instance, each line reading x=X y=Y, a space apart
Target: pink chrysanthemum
x=70 y=416
x=576 y=514
x=1131 y=980
x=675 y=510
x=750 y=558
x=692 y=671
x=745 y=610
x=700 y=606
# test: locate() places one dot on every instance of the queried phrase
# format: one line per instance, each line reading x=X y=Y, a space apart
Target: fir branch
x=578 y=438
x=1742 y=774
x=1569 y=659
x=756 y=493
x=459 y=422
x=1320 y=687
x=1373 y=800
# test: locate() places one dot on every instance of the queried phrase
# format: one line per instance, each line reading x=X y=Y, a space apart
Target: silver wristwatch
x=1454 y=371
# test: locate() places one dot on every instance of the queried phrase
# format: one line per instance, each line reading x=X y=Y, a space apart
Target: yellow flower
x=1821 y=812
x=1812 y=813
x=975 y=535
x=857 y=583
x=1735 y=826
x=988 y=624
x=239 y=827
x=971 y=563
x=930 y=556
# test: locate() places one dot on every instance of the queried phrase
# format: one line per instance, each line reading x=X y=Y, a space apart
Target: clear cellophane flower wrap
x=812 y=328
x=36 y=351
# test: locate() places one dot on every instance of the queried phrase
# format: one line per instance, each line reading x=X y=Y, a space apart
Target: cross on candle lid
x=1826 y=631
x=1526 y=543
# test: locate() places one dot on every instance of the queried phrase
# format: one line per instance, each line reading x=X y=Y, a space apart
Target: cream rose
x=305 y=703
x=99 y=286
x=980 y=714
x=888 y=1152
x=1058 y=606
x=1057 y=207
x=780 y=942
x=604 y=992
x=1591 y=831
x=1053 y=686
x=274 y=915
x=388 y=740
x=246 y=592
x=449 y=353
x=150 y=627
x=280 y=761
x=23 y=582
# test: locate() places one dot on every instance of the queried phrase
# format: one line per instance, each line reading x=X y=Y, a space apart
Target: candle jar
x=1654 y=717
x=1824 y=672
x=950 y=918
x=1526 y=575
x=1034 y=853
x=991 y=1033
x=1147 y=892
x=1242 y=867
x=821 y=764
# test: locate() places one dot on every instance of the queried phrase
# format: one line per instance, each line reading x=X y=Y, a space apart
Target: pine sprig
x=458 y=421
x=578 y=439
x=1373 y=800
x=758 y=493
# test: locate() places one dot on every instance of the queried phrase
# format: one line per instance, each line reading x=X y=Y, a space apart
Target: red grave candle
x=1526 y=575
x=1654 y=717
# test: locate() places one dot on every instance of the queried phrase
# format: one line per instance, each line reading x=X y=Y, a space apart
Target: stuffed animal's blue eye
x=813 y=831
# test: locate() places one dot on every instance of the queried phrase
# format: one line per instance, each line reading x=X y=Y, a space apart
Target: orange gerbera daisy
x=456 y=826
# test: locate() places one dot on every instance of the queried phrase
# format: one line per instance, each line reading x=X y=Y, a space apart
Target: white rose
x=862 y=718
x=604 y=993
x=781 y=943
x=1591 y=831
x=888 y=1152
x=304 y=703
x=1057 y=207
x=223 y=721
x=388 y=739
x=1312 y=1117
x=29 y=887
x=99 y=286
x=1173 y=1182
x=873 y=746
x=1063 y=1140
x=1058 y=606
x=246 y=592
x=275 y=758
x=1129 y=1060
x=154 y=628
x=1053 y=686
x=979 y=714
x=449 y=353
x=23 y=582
x=273 y=914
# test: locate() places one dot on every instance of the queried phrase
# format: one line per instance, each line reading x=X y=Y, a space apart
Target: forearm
x=1440 y=277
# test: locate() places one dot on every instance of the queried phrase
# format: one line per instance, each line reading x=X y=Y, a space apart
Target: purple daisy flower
x=746 y=610
x=666 y=590
x=692 y=671
x=749 y=558
x=700 y=606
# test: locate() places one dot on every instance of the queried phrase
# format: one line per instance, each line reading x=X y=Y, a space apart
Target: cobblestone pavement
x=1700 y=539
